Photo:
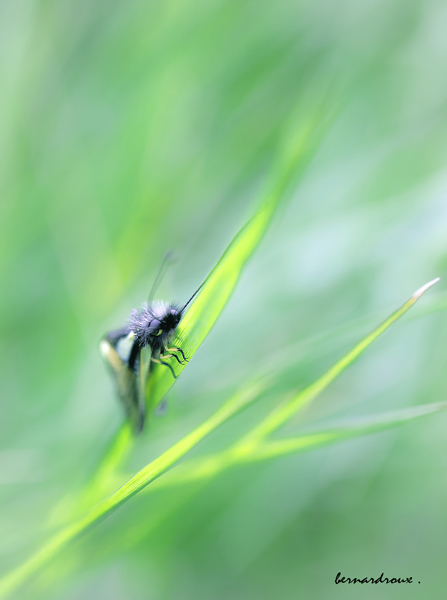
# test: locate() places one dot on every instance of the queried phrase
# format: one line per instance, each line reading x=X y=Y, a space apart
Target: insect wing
x=115 y=349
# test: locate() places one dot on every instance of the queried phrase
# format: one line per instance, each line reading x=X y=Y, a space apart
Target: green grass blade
x=286 y=411
x=353 y=428
x=219 y=285
x=252 y=447
x=210 y=466
x=222 y=280
x=153 y=470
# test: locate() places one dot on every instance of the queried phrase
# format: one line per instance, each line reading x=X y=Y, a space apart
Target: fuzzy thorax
x=154 y=324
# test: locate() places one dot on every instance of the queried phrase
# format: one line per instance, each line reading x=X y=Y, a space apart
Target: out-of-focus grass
x=128 y=128
x=251 y=447
x=215 y=291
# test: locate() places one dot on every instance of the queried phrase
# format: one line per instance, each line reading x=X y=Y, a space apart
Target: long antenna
x=193 y=296
x=167 y=258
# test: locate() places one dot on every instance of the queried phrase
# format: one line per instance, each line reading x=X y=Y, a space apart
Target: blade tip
x=418 y=293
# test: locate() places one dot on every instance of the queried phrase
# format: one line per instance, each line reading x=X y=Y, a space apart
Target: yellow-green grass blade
x=207 y=306
x=253 y=445
x=359 y=426
x=209 y=466
x=204 y=469
x=151 y=472
x=287 y=410
x=205 y=309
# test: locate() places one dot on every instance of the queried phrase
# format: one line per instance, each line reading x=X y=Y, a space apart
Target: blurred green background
x=130 y=128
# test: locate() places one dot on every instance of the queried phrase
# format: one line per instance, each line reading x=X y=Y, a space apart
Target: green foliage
x=130 y=128
x=251 y=447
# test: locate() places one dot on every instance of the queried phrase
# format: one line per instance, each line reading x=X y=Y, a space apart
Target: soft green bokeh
x=130 y=128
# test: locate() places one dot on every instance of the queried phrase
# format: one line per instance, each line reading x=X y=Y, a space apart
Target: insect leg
x=178 y=350
x=160 y=362
x=172 y=356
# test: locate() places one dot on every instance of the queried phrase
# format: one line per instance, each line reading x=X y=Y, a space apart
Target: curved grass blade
x=286 y=411
x=210 y=466
x=206 y=307
x=248 y=445
x=352 y=428
x=216 y=291
x=220 y=283
x=143 y=478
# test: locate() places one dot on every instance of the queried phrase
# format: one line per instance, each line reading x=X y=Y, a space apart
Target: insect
x=132 y=351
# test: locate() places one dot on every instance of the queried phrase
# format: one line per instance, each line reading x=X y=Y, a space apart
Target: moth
x=132 y=351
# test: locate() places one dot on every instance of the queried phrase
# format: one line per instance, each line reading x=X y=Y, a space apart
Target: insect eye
x=154 y=324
